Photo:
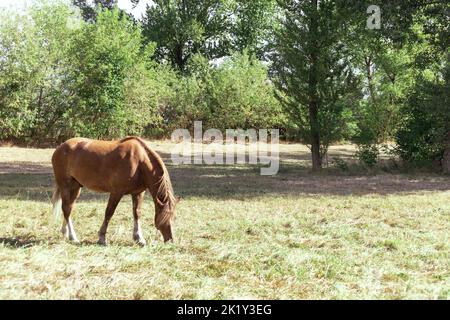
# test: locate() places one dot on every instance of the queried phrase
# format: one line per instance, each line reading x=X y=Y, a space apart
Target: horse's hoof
x=73 y=239
x=102 y=243
x=139 y=240
x=141 y=243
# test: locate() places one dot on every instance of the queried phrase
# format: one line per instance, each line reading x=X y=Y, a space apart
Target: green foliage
x=212 y=28
x=425 y=132
x=109 y=69
x=253 y=28
x=392 y=60
x=368 y=154
x=88 y=8
x=235 y=94
x=241 y=96
x=388 y=75
x=188 y=99
x=34 y=68
x=184 y=28
x=63 y=77
x=14 y=117
x=90 y=69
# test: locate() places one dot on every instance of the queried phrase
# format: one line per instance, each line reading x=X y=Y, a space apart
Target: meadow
x=337 y=234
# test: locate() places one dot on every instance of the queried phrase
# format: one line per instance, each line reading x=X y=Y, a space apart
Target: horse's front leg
x=137 y=205
x=113 y=201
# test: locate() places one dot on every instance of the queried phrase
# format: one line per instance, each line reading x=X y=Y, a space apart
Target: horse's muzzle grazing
x=166 y=231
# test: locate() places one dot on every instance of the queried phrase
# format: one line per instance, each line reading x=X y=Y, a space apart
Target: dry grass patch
x=238 y=235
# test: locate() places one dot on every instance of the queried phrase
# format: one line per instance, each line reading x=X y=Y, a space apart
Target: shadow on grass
x=94 y=243
x=241 y=182
x=19 y=242
x=28 y=242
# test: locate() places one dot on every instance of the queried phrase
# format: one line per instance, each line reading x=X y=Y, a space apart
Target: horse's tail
x=57 y=202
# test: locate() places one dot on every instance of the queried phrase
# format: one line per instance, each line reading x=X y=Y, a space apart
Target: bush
x=62 y=77
x=242 y=96
x=425 y=133
x=33 y=67
x=112 y=80
x=368 y=155
x=340 y=164
x=235 y=94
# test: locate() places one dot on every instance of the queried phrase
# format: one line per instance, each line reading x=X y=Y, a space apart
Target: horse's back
x=99 y=165
x=79 y=146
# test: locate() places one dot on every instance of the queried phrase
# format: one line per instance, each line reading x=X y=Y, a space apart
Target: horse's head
x=165 y=214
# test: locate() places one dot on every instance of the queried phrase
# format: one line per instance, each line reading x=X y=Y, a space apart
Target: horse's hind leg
x=113 y=201
x=137 y=205
x=68 y=195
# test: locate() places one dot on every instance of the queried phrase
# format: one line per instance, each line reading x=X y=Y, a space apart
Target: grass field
x=296 y=235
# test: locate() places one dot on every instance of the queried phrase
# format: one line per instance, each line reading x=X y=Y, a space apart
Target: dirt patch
x=294 y=178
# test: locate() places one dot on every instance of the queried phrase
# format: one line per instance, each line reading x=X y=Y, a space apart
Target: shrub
x=425 y=133
x=368 y=155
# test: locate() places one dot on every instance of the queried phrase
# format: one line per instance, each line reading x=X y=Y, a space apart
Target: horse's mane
x=164 y=192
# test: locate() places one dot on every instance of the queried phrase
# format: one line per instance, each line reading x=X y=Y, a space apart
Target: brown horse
x=122 y=167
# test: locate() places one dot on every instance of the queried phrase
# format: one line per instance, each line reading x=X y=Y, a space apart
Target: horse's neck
x=154 y=192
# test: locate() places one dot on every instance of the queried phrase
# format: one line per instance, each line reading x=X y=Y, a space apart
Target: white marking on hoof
x=76 y=241
x=65 y=231
x=72 y=235
x=139 y=239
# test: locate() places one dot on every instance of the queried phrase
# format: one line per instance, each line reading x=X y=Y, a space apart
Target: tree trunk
x=315 y=136
x=369 y=75
x=313 y=97
x=179 y=60
x=446 y=158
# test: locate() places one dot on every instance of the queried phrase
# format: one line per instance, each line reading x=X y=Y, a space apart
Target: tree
x=33 y=70
x=112 y=78
x=182 y=28
x=16 y=65
x=253 y=27
x=387 y=74
x=235 y=94
x=88 y=8
x=212 y=28
x=313 y=72
x=241 y=96
x=390 y=61
x=424 y=132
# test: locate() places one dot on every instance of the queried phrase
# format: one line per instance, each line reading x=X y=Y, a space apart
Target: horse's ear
x=178 y=199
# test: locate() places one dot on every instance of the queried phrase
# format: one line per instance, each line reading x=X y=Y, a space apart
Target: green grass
x=296 y=235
